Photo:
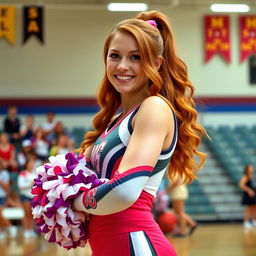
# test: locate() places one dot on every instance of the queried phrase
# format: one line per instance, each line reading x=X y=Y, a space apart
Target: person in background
x=179 y=194
x=23 y=155
x=58 y=131
x=8 y=153
x=28 y=129
x=8 y=157
x=248 y=196
x=12 y=124
x=40 y=144
x=62 y=146
x=25 y=183
x=48 y=126
x=5 y=224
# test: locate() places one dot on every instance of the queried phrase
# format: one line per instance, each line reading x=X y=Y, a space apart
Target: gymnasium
x=51 y=63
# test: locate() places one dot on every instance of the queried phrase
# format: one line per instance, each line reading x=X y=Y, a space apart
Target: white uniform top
x=5 y=178
x=25 y=183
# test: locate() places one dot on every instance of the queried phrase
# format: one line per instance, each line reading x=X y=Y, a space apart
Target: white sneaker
x=254 y=223
x=12 y=231
x=247 y=224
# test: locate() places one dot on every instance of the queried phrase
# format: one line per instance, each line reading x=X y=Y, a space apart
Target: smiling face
x=123 y=65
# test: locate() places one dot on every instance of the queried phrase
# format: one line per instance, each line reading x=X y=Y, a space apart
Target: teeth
x=124 y=77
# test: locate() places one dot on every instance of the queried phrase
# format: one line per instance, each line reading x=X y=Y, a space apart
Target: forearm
x=5 y=186
x=117 y=194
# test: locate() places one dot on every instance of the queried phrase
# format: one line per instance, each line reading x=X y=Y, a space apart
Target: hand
x=251 y=193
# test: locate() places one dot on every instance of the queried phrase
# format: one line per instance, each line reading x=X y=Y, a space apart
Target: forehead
x=123 y=42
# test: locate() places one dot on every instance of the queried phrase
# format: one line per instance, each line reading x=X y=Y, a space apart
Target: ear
x=159 y=61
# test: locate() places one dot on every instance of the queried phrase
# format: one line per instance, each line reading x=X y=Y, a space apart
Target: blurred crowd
x=23 y=147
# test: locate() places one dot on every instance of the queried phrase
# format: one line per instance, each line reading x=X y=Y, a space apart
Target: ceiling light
x=230 y=8
x=127 y=7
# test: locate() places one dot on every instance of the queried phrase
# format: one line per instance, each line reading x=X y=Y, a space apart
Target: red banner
x=247 y=31
x=217 y=37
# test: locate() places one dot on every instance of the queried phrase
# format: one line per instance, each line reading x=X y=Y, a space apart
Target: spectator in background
x=25 y=183
x=27 y=130
x=4 y=190
x=26 y=151
x=62 y=146
x=7 y=153
x=12 y=124
x=40 y=144
x=179 y=194
x=48 y=126
x=8 y=157
x=60 y=130
x=248 y=197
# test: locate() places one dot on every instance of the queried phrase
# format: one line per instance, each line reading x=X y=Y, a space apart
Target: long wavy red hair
x=170 y=82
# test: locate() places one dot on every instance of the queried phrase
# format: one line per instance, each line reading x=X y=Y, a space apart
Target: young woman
x=145 y=78
x=179 y=194
x=248 y=197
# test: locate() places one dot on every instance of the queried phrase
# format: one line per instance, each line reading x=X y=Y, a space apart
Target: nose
x=123 y=65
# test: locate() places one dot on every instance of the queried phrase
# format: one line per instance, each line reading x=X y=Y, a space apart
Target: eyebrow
x=118 y=51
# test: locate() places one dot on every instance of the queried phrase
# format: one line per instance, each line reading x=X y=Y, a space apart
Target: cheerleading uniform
x=122 y=222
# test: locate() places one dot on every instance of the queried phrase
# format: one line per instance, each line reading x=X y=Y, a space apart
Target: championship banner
x=7 y=23
x=217 y=37
x=247 y=32
x=33 y=23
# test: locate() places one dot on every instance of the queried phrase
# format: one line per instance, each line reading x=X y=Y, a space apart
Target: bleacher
x=216 y=194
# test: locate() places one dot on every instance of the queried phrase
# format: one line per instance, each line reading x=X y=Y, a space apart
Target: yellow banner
x=7 y=23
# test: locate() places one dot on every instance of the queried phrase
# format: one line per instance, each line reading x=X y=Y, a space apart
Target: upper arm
x=243 y=181
x=88 y=151
x=153 y=127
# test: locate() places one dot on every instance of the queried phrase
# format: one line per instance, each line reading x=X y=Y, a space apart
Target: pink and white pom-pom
x=58 y=182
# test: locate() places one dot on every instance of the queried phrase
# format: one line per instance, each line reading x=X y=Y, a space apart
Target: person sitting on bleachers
x=40 y=144
x=23 y=155
x=7 y=153
x=28 y=129
x=25 y=183
x=62 y=146
x=60 y=130
x=48 y=126
x=5 y=224
x=12 y=124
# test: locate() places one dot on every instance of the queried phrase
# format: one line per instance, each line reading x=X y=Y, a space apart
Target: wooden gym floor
x=208 y=240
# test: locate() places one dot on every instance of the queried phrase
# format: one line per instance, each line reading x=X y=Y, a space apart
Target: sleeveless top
x=110 y=147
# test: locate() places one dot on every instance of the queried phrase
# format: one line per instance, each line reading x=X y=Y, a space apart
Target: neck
x=128 y=102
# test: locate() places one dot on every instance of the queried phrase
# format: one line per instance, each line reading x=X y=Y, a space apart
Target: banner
x=7 y=23
x=33 y=23
x=217 y=37
x=247 y=32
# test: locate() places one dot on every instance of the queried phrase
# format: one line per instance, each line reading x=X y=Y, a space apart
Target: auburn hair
x=170 y=82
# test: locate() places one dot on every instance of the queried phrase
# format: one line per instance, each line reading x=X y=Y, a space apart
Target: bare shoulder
x=154 y=110
x=155 y=105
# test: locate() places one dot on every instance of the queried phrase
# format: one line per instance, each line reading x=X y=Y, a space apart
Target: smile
x=124 y=77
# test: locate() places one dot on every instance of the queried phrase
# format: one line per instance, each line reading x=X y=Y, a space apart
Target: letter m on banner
x=217 y=37
x=247 y=27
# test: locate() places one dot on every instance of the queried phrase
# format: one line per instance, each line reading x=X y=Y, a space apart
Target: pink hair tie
x=152 y=22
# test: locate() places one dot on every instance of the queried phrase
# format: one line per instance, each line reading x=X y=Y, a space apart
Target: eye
x=113 y=55
x=135 y=57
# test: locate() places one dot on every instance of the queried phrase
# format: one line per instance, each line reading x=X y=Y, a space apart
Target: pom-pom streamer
x=65 y=177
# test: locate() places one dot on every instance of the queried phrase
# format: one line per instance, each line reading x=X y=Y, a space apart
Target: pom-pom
x=57 y=183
